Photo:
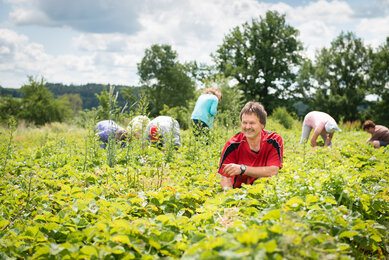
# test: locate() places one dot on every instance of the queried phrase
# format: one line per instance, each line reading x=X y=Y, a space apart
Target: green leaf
x=121 y=239
x=376 y=238
x=89 y=251
x=163 y=218
x=42 y=251
x=294 y=202
x=154 y=244
x=276 y=229
x=311 y=199
x=270 y=246
x=251 y=236
x=330 y=200
x=348 y=234
x=343 y=246
x=273 y=214
x=3 y=223
x=167 y=236
x=120 y=223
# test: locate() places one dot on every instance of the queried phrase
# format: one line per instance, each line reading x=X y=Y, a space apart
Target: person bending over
x=322 y=124
x=163 y=130
x=110 y=129
x=205 y=111
x=379 y=134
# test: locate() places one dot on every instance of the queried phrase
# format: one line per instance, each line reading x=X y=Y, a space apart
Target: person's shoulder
x=213 y=97
x=271 y=135
x=234 y=142
x=382 y=128
x=237 y=138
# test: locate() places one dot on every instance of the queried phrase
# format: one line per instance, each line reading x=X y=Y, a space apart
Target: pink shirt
x=317 y=120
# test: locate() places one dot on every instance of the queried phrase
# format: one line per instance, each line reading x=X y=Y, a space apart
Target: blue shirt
x=107 y=128
x=205 y=109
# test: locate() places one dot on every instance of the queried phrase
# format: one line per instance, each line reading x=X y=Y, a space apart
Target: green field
x=60 y=199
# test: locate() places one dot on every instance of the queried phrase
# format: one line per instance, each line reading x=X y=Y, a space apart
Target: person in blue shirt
x=204 y=112
x=109 y=128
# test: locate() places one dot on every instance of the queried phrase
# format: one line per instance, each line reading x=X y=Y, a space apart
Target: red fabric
x=238 y=151
x=154 y=136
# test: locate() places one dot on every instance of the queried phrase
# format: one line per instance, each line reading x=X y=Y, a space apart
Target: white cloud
x=104 y=16
x=22 y=16
x=373 y=31
x=113 y=35
x=333 y=12
x=21 y=58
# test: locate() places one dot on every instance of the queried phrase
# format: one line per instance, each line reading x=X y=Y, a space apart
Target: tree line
x=259 y=60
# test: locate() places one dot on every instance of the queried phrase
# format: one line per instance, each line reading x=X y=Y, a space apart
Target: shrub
x=349 y=126
x=281 y=115
x=181 y=114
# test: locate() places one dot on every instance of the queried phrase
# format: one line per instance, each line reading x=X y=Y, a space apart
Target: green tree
x=341 y=72
x=108 y=108
x=9 y=107
x=379 y=83
x=165 y=79
x=74 y=101
x=263 y=57
x=231 y=103
x=39 y=105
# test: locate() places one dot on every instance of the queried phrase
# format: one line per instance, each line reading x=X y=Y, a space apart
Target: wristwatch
x=242 y=169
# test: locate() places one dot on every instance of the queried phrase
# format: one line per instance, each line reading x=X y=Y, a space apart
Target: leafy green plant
x=181 y=114
x=283 y=117
x=8 y=145
x=324 y=203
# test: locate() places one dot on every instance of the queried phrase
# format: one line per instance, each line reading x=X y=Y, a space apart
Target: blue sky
x=101 y=41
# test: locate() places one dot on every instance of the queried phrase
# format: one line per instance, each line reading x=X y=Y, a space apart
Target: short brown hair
x=368 y=124
x=121 y=135
x=214 y=91
x=256 y=108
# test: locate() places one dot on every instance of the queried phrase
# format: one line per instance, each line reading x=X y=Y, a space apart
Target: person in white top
x=323 y=124
x=163 y=130
x=138 y=125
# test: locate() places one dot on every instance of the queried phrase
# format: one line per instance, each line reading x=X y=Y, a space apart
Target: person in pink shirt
x=322 y=124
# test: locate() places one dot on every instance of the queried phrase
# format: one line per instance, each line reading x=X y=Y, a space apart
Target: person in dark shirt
x=379 y=134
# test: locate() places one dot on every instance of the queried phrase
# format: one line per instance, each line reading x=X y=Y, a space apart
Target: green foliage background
x=60 y=200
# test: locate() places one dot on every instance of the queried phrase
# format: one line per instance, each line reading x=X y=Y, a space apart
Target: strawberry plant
x=61 y=199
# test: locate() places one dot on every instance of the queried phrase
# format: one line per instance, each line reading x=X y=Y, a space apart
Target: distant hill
x=87 y=92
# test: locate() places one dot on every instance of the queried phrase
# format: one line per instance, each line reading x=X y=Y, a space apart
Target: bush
x=281 y=115
x=349 y=126
x=181 y=114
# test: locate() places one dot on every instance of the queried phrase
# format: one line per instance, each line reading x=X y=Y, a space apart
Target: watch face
x=243 y=168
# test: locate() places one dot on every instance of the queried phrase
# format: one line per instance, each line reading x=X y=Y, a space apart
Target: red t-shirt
x=237 y=150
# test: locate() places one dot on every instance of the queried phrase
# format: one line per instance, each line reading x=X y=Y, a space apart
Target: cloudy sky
x=101 y=41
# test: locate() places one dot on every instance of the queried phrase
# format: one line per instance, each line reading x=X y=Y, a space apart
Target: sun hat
x=331 y=127
x=154 y=135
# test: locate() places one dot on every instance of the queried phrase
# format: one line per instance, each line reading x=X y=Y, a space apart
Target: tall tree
x=9 y=107
x=166 y=80
x=379 y=83
x=39 y=105
x=341 y=73
x=263 y=57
